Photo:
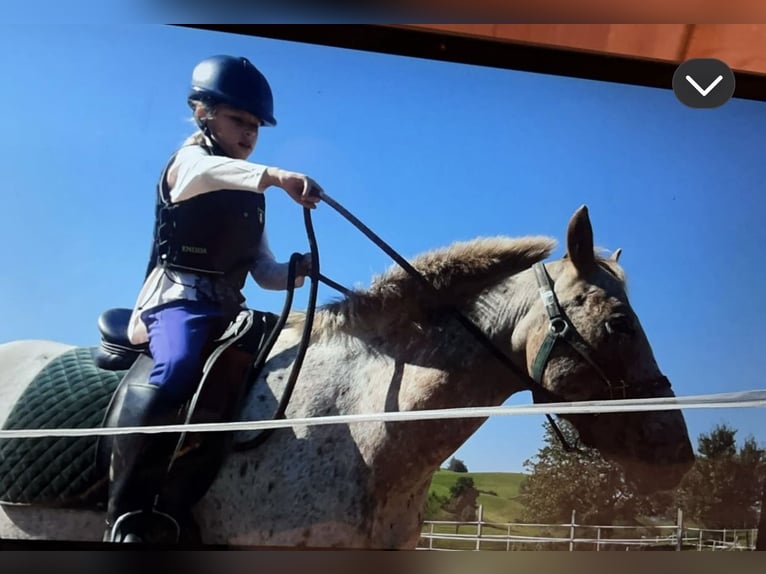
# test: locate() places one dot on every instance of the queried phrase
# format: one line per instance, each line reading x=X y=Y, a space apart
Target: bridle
x=561 y=329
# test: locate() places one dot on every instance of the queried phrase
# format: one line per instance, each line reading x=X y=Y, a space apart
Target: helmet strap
x=213 y=148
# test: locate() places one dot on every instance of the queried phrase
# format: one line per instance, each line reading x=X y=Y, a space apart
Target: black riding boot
x=138 y=469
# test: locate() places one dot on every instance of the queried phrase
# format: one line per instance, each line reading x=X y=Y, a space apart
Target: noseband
x=561 y=329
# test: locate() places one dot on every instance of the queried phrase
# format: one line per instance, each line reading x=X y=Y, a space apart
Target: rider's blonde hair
x=201 y=111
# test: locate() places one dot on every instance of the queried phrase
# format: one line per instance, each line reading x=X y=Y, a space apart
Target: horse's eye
x=620 y=324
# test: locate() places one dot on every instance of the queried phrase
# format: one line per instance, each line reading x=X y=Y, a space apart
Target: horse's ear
x=580 y=240
x=616 y=255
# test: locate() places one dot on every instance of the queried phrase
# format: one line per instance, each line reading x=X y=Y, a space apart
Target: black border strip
x=495 y=53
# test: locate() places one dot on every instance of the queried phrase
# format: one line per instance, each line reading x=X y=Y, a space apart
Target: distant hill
x=498 y=492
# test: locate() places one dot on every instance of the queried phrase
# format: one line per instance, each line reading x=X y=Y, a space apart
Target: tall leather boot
x=138 y=470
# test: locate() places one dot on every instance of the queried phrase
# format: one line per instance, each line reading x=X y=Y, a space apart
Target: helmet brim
x=213 y=99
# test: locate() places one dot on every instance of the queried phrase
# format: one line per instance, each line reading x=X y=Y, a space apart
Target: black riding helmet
x=233 y=81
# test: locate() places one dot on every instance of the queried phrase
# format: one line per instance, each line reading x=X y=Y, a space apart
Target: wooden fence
x=482 y=535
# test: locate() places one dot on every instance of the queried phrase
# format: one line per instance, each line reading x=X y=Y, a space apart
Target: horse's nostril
x=619 y=324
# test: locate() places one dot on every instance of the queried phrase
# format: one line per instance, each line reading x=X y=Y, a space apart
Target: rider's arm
x=267 y=272
x=194 y=172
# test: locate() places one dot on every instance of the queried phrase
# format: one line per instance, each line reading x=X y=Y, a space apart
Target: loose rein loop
x=258 y=364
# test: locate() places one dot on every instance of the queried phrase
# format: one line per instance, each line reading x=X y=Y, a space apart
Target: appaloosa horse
x=388 y=348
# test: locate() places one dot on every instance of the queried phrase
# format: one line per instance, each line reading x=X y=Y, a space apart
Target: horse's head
x=585 y=342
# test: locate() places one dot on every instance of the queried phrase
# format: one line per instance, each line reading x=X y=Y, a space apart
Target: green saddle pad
x=70 y=392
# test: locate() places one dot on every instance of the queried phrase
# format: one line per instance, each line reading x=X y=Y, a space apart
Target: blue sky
x=425 y=153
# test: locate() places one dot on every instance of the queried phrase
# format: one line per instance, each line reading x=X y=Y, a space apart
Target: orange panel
x=483 y=30
x=655 y=41
x=579 y=36
x=741 y=46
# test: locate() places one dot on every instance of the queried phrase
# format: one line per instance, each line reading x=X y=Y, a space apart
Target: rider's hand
x=303 y=267
x=301 y=188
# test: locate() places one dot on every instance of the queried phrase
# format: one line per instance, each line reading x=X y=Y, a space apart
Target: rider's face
x=236 y=131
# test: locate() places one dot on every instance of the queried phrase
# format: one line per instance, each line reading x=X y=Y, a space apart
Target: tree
x=459 y=505
x=463 y=500
x=724 y=489
x=725 y=486
x=457 y=465
x=596 y=489
x=461 y=485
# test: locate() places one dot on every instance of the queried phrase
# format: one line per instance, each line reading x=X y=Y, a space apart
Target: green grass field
x=498 y=492
x=498 y=495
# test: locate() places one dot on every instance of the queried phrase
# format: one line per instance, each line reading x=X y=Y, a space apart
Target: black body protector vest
x=215 y=233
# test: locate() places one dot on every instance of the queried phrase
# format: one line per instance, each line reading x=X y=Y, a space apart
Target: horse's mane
x=458 y=272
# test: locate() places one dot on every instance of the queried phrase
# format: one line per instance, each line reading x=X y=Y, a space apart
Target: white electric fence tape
x=720 y=400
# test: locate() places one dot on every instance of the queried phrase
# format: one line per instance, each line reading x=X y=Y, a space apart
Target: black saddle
x=230 y=361
x=116 y=352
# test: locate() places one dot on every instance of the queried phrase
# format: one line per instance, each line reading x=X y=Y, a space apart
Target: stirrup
x=147 y=526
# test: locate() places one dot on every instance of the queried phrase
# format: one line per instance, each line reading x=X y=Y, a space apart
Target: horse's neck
x=441 y=363
x=502 y=313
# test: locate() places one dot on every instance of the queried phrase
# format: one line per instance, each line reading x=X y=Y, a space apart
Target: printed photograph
x=382 y=301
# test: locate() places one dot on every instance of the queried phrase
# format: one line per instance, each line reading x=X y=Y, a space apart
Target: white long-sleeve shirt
x=195 y=172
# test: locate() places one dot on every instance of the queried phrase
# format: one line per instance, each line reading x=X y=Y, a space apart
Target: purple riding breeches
x=178 y=333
